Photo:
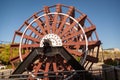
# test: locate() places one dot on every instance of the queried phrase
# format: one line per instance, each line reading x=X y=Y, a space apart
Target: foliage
x=5 y=54
x=114 y=62
x=78 y=59
x=14 y=53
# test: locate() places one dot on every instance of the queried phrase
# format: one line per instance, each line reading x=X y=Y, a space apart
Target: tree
x=5 y=54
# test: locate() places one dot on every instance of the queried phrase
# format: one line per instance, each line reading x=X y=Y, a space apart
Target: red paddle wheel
x=58 y=25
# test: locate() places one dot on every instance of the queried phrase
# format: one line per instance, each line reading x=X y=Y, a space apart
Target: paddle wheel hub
x=54 y=40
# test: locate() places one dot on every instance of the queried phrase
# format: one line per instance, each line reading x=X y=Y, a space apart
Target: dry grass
x=106 y=55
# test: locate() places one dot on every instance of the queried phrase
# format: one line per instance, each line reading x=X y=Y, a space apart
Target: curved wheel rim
x=54 y=13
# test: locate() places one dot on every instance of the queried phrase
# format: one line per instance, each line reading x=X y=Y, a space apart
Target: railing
x=107 y=73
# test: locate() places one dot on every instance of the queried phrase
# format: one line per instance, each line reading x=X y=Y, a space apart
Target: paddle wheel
x=63 y=35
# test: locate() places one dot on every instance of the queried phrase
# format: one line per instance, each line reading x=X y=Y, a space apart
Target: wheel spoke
x=87 y=30
x=30 y=45
x=71 y=9
x=54 y=23
x=73 y=24
x=82 y=20
x=58 y=10
x=62 y=65
x=46 y=69
x=16 y=45
x=75 y=43
x=27 y=37
x=40 y=24
x=82 y=43
x=38 y=67
x=47 y=20
x=61 y=25
x=34 y=30
x=55 y=67
x=72 y=14
x=93 y=44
